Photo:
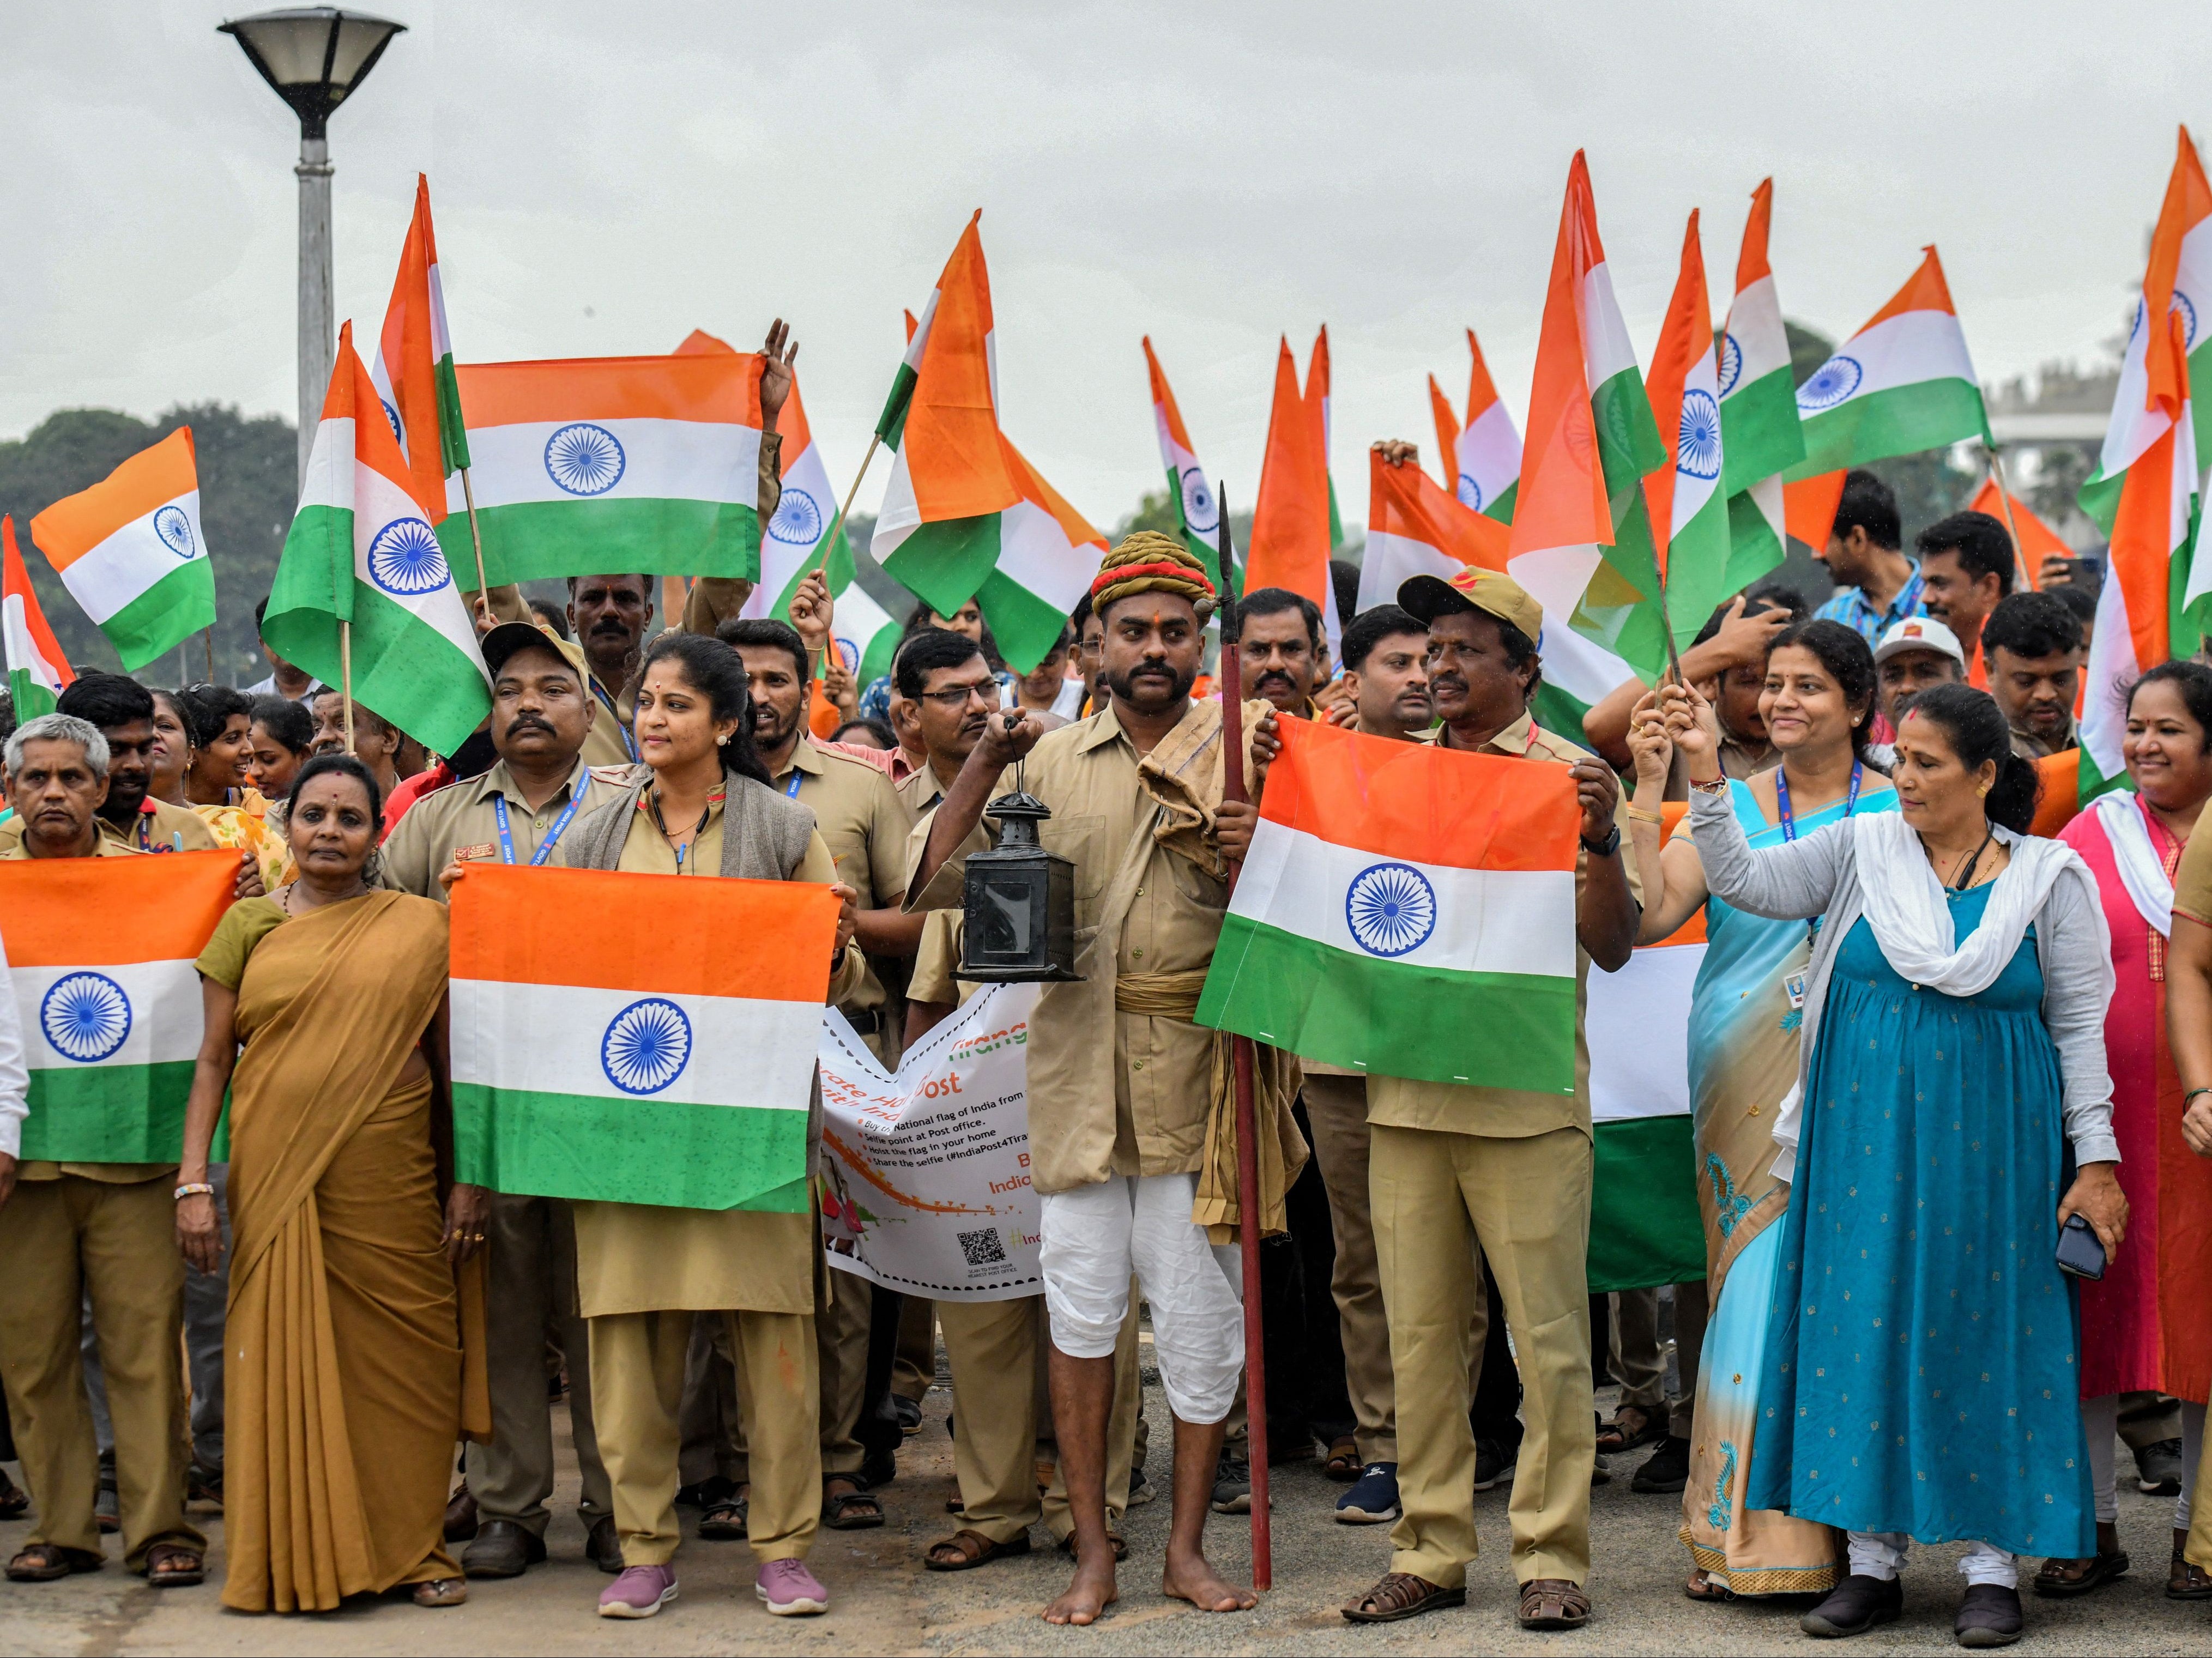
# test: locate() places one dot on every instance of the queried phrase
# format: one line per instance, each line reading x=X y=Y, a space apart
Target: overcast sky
x=607 y=176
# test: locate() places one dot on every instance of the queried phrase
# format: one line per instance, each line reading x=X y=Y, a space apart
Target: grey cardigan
x=1819 y=876
x=764 y=836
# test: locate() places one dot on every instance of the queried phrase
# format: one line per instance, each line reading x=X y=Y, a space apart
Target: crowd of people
x=1949 y=1035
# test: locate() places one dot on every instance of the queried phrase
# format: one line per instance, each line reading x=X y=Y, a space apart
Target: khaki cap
x=1492 y=591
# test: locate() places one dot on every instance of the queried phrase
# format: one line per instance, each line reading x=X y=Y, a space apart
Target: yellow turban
x=1147 y=561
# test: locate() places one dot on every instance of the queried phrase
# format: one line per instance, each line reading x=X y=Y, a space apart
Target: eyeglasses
x=955 y=697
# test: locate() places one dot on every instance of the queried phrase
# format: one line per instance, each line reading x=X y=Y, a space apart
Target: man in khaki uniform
x=102 y=1232
x=864 y=823
x=1120 y=1080
x=122 y=710
x=517 y=813
x=1450 y=1167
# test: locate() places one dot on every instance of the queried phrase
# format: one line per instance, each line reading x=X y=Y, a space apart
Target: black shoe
x=1856 y=1605
x=1667 y=1469
x=202 y=1489
x=603 y=1547
x=2158 y=1468
x=1232 y=1485
x=1141 y=1490
x=714 y=1489
x=502 y=1549
x=1988 y=1615
x=879 y=1467
x=909 y=1413
x=1493 y=1461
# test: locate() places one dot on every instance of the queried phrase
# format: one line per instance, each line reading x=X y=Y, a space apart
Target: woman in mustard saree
x=346 y=1368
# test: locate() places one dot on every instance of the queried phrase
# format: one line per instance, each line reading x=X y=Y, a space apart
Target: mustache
x=530 y=722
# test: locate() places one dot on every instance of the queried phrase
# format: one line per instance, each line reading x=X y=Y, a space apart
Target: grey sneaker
x=1232 y=1485
x=2158 y=1468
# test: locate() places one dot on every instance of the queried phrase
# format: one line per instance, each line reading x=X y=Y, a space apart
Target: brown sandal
x=1401 y=1595
x=441 y=1592
x=968 y=1549
x=1703 y=1587
x=42 y=1562
x=1344 y=1464
x=174 y=1566
x=1615 y=1436
x=856 y=1509
x=1120 y=1547
x=1554 y=1603
x=2186 y=1581
x=726 y=1522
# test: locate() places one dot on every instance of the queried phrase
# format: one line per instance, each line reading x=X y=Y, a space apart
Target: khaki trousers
x=840 y=1337
x=992 y=1348
x=1336 y=1111
x=914 y=1362
x=1527 y=1202
x=530 y=1288
x=60 y=1239
x=637 y=1393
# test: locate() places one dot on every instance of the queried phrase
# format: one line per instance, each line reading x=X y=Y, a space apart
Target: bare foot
x=1188 y=1578
x=1089 y=1593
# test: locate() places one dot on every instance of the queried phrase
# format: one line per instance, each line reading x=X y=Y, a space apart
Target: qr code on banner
x=983 y=1248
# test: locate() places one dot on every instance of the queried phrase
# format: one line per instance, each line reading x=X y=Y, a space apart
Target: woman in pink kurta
x=2146 y=1324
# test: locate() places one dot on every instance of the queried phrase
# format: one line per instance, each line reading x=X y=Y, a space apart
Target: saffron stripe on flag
x=103 y=912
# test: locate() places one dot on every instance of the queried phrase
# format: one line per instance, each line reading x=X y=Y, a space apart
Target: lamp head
x=313 y=56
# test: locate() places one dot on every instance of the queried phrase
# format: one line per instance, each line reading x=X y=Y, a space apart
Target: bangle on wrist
x=1718 y=786
x=1637 y=815
x=2192 y=1094
x=196 y=1188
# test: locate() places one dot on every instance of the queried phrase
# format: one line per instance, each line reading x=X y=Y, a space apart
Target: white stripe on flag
x=1037 y=555
x=1754 y=323
x=1909 y=348
x=135 y=557
x=158 y=1001
x=1639 y=1021
x=651 y=460
x=1391 y=561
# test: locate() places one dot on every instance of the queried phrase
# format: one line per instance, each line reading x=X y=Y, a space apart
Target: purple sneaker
x=640 y=1591
x=789 y=1590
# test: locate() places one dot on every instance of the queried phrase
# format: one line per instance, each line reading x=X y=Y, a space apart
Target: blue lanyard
x=608 y=703
x=545 y=846
x=1782 y=797
x=790 y=792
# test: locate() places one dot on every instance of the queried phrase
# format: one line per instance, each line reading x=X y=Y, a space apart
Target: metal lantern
x=1020 y=903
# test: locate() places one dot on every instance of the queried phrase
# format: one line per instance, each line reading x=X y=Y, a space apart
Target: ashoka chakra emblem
x=1731 y=363
x=1697 y=454
x=1199 y=510
x=797 y=520
x=647 y=1045
x=2188 y=309
x=583 y=459
x=1391 y=908
x=1831 y=382
x=175 y=531
x=393 y=415
x=405 y=559
x=85 y=1016
x=1470 y=492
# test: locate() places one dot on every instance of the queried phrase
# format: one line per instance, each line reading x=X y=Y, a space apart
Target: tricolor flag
x=413 y=367
x=867 y=635
x=1759 y=428
x=964 y=516
x=2144 y=607
x=1581 y=538
x=598 y=464
x=1644 y=1225
x=1197 y=510
x=1415 y=527
x=1407 y=911
x=1902 y=384
x=1447 y=420
x=2038 y=540
x=1688 y=506
x=361 y=552
x=1316 y=397
x=659 y=1067
x=130 y=552
x=1487 y=449
x=1293 y=515
x=36 y=669
x=101 y=954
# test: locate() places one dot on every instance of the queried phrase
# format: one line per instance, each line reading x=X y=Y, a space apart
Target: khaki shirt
x=608 y=742
x=155 y=830
x=110 y=1174
x=1162 y=1068
x=1511 y=1113
x=459 y=823
x=938 y=953
x=864 y=823
x=2028 y=746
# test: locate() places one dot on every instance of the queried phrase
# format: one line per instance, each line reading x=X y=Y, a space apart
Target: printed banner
x=924 y=1177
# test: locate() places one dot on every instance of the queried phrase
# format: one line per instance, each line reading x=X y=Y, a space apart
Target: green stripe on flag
x=1557 y=712
x=1754 y=548
x=1759 y=431
x=890 y=425
x=1022 y=626
x=162 y=617
x=30 y=698
x=1902 y=421
x=452 y=431
x=1628 y=442
x=1433 y=1024
x=1502 y=509
x=945 y=561
x=544 y=540
x=1644 y=1230
x=672 y=1154
x=108 y=1112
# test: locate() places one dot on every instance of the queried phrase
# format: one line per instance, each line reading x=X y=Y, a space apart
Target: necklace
x=361 y=890
x=1967 y=871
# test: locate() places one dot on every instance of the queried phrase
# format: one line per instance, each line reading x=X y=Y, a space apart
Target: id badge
x=1793 y=985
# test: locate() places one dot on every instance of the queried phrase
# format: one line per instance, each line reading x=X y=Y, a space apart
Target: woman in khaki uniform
x=706 y=808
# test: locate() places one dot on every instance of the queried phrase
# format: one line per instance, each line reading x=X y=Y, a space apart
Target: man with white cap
x=1913 y=654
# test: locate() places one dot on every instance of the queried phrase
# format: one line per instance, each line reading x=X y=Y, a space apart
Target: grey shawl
x=764 y=836
x=1820 y=875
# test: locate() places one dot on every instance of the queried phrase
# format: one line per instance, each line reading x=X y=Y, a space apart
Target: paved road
x=883 y=1601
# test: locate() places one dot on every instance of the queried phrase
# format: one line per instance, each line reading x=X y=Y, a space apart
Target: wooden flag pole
x=2004 y=501
x=475 y=538
x=1251 y=1201
x=1666 y=621
x=207 y=634
x=875 y=442
x=345 y=679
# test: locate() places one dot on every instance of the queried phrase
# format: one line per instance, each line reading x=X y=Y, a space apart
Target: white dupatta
x=2142 y=872
x=1911 y=919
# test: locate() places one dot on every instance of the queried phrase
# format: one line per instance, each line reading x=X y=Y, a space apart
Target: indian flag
x=1294 y=514
x=413 y=367
x=1487 y=450
x=965 y=515
x=1415 y=527
x=130 y=552
x=597 y=463
x=362 y=554
x=1316 y=396
x=101 y=953
x=1902 y=384
x=1196 y=510
x=1406 y=910
x=1688 y=507
x=1645 y=1225
x=867 y=635
x=2038 y=540
x=1760 y=430
x=659 y=1067
x=36 y=669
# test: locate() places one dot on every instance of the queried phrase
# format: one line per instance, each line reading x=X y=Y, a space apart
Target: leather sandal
x=1702 y=1586
x=967 y=1549
x=174 y=1566
x=1554 y=1603
x=1616 y=1436
x=1401 y=1595
x=1068 y=1547
x=440 y=1592
x=42 y=1562
x=14 y=1500
x=1345 y=1464
x=857 y=1509
x=725 y=1521
x=2186 y=1581
x=2054 y=1581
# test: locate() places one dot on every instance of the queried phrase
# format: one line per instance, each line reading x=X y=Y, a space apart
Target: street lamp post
x=313 y=57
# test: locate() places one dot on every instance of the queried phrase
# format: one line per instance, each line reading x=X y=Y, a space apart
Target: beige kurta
x=639 y=1258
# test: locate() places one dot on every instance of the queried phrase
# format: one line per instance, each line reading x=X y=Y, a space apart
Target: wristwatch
x=1605 y=847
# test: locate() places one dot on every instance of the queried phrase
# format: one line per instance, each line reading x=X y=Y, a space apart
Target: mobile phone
x=2079 y=1251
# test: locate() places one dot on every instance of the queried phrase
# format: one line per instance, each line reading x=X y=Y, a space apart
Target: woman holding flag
x=1818 y=707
